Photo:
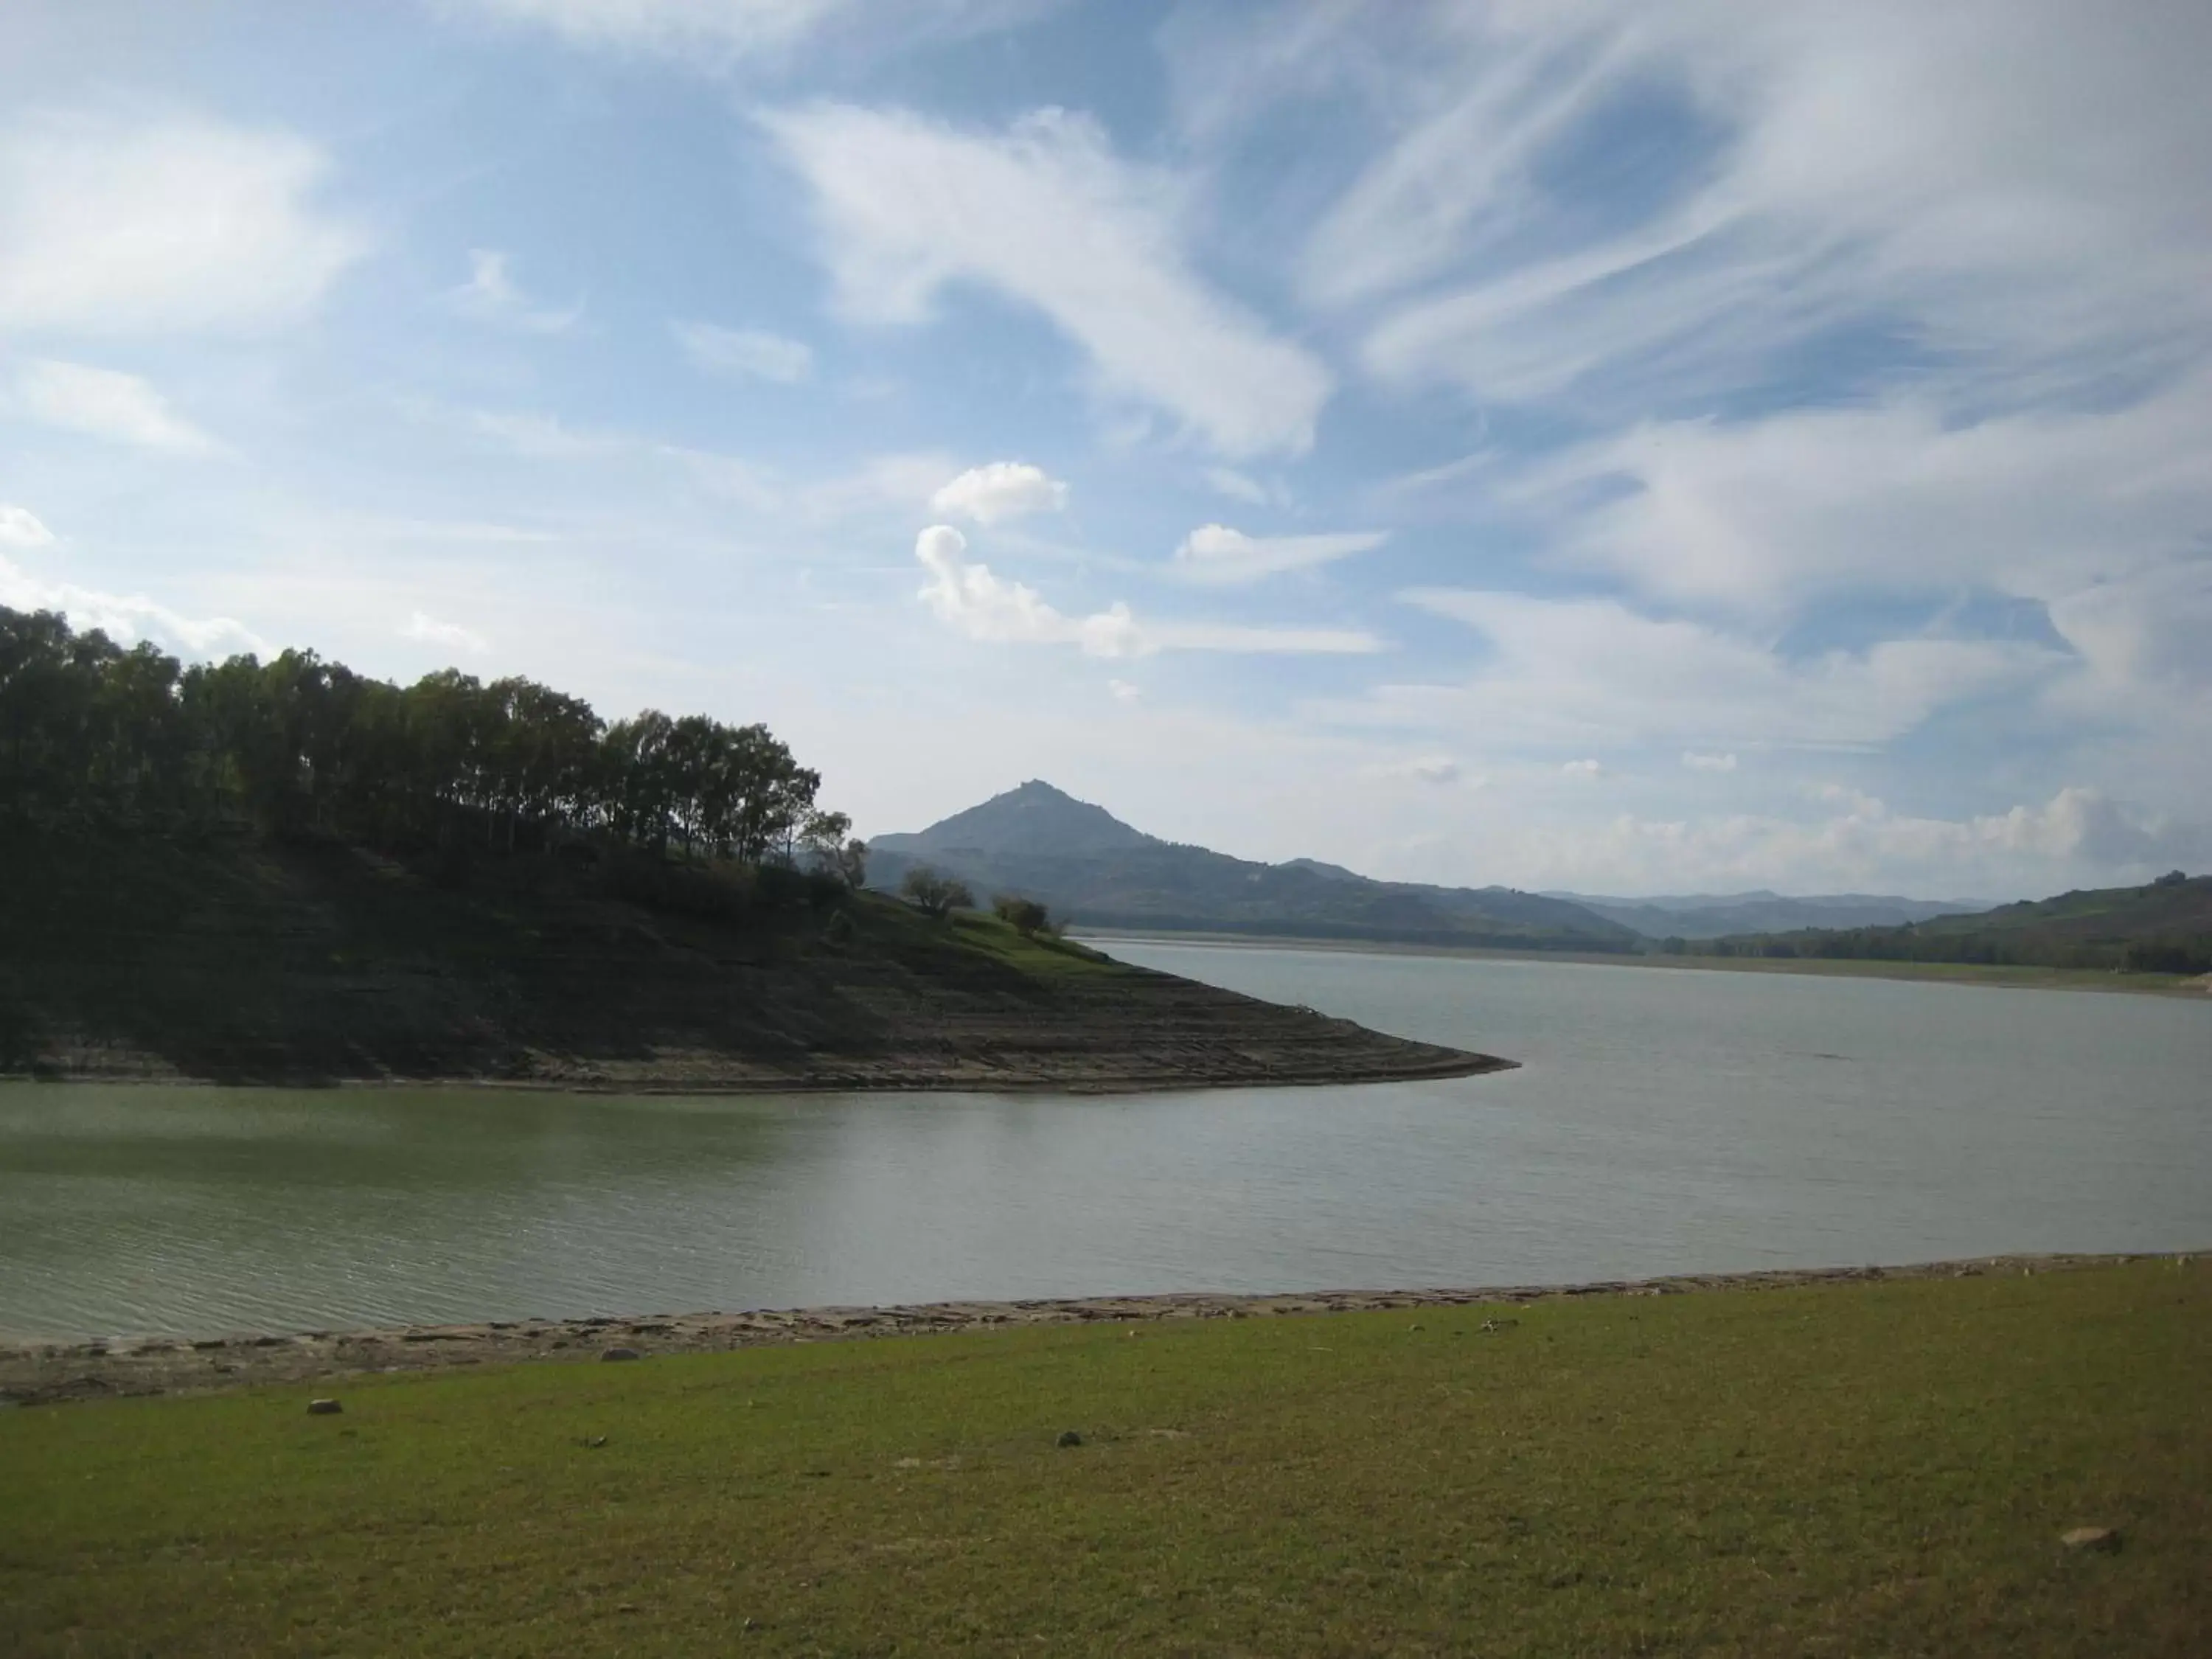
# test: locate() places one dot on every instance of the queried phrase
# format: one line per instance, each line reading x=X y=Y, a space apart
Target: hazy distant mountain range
x=1094 y=870
x=1716 y=915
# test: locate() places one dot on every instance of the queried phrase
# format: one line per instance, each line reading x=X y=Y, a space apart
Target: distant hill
x=1716 y=915
x=1092 y=869
x=2165 y=926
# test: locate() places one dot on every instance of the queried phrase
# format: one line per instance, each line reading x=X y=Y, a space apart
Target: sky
x=1577 y=445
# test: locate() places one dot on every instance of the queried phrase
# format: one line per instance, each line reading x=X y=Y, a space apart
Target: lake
x=1664 y=1121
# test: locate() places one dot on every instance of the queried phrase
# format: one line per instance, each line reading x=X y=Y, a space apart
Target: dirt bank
x=46 y=1373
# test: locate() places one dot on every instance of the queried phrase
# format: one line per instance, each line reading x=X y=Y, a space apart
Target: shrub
x=936 y=895
x=1026 y=916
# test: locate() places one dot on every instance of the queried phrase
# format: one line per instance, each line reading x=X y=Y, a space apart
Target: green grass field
x=1882 y=1467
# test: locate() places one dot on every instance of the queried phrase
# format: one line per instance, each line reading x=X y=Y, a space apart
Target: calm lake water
x=1665 y=1121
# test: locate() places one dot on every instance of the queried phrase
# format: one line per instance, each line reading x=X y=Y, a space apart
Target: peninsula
x=284 y=872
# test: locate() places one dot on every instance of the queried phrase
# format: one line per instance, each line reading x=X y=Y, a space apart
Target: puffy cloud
x=1581 y=768
x=127 y=617
x=1047 y=215
x=1123 y=691
x=1574 y=671
x=115 y=226
x=1215 y=554
x=751 y=353
x=490 y=296
x=103 y=403
x=1003 y=489
x=985 y=606
x=428 y=630
x=1702 y=763
x=20 y=527
x=982 y=606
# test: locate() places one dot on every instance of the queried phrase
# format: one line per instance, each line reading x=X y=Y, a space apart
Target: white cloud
x=1776 y=513
x=1238 y=486
x=1563 y=672
x=1123 y=691
x=127 y=617
x=2011 y=183
x=1438 y=770
x=1046 y=213
x=428 y=630
x=111 y=226
x=103 y=403
x=2079 y=835
x=985 y=606
x=749 y=352
x=724 y=29
x=1003 y=489
x=490 y=296
x=1703 y=762
x=1215 y=553
x=1581 y=768
x=20 y=527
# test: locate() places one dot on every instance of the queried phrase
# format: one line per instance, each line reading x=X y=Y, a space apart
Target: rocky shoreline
x=35 y=1373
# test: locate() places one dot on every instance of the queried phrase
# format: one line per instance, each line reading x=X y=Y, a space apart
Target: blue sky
x=1581 y=445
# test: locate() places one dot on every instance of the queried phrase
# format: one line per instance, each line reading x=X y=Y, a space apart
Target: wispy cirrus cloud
x=117 y=222
x=747 y=353
x=492 y=296
x=1216 y=555
x=1864 y=166
x=1591 y=672
x=1046 y=213
x=102 y=402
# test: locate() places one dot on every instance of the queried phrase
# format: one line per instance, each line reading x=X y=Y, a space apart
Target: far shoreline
x=2019 y=978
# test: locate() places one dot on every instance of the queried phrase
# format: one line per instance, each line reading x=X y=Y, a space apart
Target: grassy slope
x=231 y=959
x=1880 y=1468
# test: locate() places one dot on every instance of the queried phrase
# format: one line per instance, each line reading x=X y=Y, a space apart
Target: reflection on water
x=1664 y=1121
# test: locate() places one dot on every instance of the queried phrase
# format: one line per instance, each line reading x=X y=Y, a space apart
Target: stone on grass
x=1070 y=1437
x=324 y=1408
x=621 y=1353
x=2091 y=1538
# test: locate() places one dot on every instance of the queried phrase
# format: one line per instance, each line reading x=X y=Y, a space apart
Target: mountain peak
x=1036 y=818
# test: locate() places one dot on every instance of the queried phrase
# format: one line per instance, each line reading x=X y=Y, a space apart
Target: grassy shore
x=1883 y=1466
x=1955 y=973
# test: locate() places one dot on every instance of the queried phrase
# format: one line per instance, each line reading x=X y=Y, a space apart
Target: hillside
x=233 y=958
x=2165 y=926
x=1093 y=870
x=1717 y=915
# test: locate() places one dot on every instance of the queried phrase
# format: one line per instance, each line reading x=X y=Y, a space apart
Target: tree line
x=90 y=731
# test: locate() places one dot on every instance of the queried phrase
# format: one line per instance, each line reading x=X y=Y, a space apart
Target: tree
x=1025 y=915
x=936 y=895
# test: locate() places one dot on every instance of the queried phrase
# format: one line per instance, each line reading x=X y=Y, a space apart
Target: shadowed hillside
x=232 y=959
x=2164 y=927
